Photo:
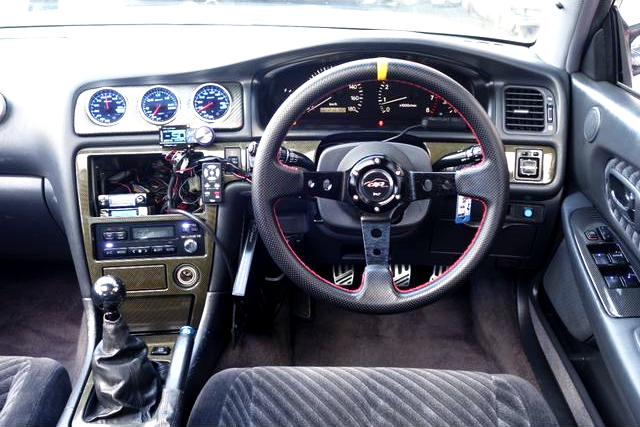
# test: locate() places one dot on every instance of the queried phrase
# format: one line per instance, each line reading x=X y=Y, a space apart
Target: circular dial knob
x=204 y=136
x=190 y=246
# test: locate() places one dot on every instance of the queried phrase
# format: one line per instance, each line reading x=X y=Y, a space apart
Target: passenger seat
x=33 y=391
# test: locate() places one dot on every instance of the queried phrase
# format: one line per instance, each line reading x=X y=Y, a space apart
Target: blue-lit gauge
x=106 y=107
x=211 y=102
x=159 y=105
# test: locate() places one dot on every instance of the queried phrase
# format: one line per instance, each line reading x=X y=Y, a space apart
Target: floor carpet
x=40 y=312
x=474 y=328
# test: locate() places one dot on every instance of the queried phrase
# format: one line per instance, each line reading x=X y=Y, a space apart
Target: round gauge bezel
x=202 y=86
x=164 y=122
x=93 y=119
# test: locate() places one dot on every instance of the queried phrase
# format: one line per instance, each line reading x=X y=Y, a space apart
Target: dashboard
x=366 y=105
x=118 y=109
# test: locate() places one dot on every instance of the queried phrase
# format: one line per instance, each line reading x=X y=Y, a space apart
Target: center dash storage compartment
x=136 y=185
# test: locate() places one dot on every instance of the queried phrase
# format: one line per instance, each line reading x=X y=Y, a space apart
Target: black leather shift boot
x=126 y=381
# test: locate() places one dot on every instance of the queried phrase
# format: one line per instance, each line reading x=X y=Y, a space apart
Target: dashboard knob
x=190 y=246
x=204 y=136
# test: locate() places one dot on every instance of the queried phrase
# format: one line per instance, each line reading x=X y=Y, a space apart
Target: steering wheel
x=378 y=185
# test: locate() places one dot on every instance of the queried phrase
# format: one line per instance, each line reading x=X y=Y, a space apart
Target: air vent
x=524 y=110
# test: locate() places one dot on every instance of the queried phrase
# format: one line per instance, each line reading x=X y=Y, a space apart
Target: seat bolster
x=537 y=410
x=207 y=410
x=37 y=394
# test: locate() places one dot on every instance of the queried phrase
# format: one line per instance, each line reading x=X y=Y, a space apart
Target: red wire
x=124 y=185
x=244 y=178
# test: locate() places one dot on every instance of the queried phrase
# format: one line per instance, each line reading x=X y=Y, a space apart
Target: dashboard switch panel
x=529 y=165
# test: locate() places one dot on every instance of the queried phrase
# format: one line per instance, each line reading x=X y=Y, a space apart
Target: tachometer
x=439 y=108
x=211 y=102
x=411 y=104
x=159 y=105
x=401 y=99
x=106 y=107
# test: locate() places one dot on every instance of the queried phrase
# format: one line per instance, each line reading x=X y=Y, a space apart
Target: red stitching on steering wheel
x=452 y=266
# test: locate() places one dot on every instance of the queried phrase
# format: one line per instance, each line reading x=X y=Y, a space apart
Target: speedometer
x=348 y=100
x=345 y=101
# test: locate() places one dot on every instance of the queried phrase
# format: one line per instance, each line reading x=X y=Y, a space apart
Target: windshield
x=511 y=20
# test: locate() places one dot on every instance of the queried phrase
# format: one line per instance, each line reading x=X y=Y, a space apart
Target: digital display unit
x=143 y=233
x=172 y=136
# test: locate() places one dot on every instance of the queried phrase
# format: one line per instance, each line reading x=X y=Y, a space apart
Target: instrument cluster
x=367 y=105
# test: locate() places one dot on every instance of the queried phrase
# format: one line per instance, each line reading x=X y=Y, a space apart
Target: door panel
x=605 y=165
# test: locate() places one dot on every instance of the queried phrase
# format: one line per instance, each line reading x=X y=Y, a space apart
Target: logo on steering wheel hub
x=374 y=184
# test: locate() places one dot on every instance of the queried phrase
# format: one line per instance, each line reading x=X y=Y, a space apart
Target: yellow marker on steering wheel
x=383 y=68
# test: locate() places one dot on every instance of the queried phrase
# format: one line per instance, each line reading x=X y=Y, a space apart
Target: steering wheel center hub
x=375 y=183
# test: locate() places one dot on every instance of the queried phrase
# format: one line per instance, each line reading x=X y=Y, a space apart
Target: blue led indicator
x=527 y=213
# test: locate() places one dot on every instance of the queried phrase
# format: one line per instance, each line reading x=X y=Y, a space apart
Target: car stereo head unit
x=148 y=239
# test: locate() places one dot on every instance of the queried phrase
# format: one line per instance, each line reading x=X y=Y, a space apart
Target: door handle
x=625 y=196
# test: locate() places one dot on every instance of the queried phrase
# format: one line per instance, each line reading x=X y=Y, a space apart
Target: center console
x=164 y=254
x=165 y=259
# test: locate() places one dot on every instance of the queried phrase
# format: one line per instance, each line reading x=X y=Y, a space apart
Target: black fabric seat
x=299 y=396
x=33 y=391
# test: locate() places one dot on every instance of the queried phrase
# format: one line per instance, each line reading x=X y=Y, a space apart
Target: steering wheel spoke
x=326 y=185
x=480 y=182
x=377 y=280
x=430 y=185
x=376 y=233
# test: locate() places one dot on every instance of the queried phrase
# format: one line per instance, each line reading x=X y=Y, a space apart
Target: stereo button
x=121 y=251
x=139 y=250
x=121 y=235
x=108 y=235
x=170 y=249
x=157 y=249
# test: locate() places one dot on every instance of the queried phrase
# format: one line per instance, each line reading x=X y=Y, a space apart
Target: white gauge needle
x=319 y=104
x=394 y=100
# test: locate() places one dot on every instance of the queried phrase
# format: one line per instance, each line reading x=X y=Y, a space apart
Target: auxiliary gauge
x=106 y=107
x=159 y=105
x=211 y=102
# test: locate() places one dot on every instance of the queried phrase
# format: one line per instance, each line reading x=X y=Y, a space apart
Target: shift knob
x=107 y=294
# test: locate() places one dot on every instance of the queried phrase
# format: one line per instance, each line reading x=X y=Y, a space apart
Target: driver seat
x=326 y=396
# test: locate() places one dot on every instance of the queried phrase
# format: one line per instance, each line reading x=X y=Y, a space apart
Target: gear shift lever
x=126 y=382
x=108 y=293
